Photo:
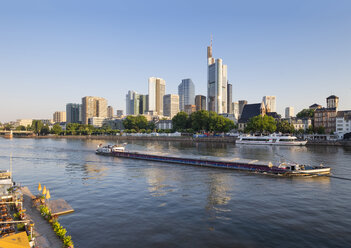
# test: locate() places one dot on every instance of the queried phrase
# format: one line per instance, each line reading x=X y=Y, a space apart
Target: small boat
x=285 y=169
x=270 y=140
x=110 y=148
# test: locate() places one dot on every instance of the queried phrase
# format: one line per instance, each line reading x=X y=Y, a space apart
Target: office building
x=270 y=104
x=242 y=104
x=96 y=121
x=200 y=102
x=59 y=116
x=157 y=88
x=73 y=113
x=289 y=112
x=186 y=92
x=170 y=105
x=189 y=109
x=143 y=104
x=235 y=107
x=132 y=103
x=229 y=98
x=216 y=83
x=109 y=111
x=23 y=122
x=93 y=106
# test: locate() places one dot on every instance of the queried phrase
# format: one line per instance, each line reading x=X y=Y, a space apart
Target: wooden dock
x=59 y=207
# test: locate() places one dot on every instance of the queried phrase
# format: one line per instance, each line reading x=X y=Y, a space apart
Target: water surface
x=132 y=203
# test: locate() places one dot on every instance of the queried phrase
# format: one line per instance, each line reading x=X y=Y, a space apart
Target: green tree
x=151 y=126
x=265 y=124
x=305 y=113
x=130 y=122
x=37 y=125
x=284 y=126
x=223 y=124
x=45 y=130
x=56 y=129
x=141 y=122
x=200 y=120
x=21 y=128
x=180 y=121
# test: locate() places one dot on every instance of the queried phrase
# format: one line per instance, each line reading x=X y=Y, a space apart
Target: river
x=132 y=203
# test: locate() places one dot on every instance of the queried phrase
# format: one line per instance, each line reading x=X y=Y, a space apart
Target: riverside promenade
x=45 y=237
x=211 y=139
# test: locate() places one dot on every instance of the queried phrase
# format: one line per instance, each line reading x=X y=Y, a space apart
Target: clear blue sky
x=56 y=52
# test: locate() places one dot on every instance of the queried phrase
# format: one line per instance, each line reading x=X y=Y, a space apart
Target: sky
x=56 y=52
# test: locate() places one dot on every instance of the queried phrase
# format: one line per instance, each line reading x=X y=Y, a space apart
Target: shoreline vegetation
x=210 y=139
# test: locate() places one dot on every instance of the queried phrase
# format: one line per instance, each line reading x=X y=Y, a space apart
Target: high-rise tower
x=186 y=92
x=157 y=88
x=93 y=106
x=216 y=83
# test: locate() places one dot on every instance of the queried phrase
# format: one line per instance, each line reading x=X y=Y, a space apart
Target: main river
x=131 y=203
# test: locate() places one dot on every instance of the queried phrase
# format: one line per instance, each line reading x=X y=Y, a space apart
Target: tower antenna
x=211 y=40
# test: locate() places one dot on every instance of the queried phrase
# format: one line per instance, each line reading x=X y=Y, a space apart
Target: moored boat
x=270 y=140
x=285 y=169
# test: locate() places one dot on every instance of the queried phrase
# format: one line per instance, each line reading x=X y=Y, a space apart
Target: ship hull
x=210 y=163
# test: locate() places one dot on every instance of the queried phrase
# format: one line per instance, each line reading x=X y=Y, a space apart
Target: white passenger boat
x=270 y=140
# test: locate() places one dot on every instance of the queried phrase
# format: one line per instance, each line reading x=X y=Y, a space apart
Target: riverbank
x=226 y=139
x=213 y=139
x=45 y=237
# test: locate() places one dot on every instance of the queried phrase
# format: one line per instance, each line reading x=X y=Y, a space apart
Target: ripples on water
x=132 y=203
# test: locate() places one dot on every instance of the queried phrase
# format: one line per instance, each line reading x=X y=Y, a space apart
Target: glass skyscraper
x=74 y=113
x=186 y=92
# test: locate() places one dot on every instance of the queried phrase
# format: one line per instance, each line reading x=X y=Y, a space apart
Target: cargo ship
x=283 y=169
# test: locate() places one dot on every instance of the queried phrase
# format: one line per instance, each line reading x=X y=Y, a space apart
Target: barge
x=283 y=169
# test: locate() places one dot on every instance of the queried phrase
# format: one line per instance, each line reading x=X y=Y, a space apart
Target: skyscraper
x=132 y=103
x=229 y=98
x=289 y=112
x=216 y=83
x=170 y=105
x=74 y=113
x=59 y=116
x=186 y=92
x=143 y=104
x=269 y=102
x=157 y=88
x=93 y=106
x=109 y=111
x=200 y=102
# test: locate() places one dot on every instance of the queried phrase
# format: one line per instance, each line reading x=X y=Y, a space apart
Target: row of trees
x=138 y=123
x=267 y=124
x=202 y=120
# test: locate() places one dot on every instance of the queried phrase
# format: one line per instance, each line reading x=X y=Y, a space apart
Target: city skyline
x=55 y=54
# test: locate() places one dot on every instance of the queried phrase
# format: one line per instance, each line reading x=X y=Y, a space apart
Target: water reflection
x=155 y=178
x=219 y=186
x=92 y=171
